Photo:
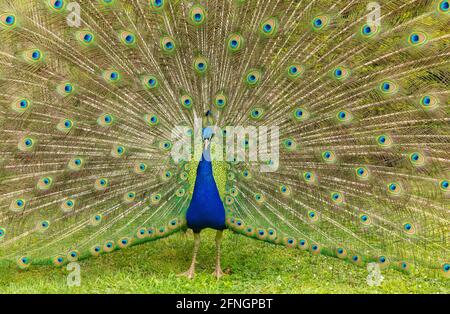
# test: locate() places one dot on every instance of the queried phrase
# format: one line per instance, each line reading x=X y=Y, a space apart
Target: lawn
x=251 y=267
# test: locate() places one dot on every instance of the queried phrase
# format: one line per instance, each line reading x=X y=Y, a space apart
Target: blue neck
x=206 y=209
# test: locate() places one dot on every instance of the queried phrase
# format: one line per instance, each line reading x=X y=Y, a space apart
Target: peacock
x=319 y=125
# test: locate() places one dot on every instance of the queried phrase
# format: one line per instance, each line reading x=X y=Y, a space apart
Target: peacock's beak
x=206 y=143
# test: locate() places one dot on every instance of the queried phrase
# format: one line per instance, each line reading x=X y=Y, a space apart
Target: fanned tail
x=360 y=98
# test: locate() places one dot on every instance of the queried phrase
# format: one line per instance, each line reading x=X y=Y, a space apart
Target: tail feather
x=361 y=102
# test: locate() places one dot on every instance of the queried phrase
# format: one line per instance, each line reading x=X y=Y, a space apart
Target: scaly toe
x=218 y=273
x=189 y=274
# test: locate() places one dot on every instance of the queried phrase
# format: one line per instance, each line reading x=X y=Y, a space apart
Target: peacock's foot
x=190 y=273
x=218 y=273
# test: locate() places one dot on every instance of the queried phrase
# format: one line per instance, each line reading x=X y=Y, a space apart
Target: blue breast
x=206 y=208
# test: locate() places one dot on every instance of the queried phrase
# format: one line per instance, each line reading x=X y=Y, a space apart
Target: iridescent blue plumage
x=206 y=209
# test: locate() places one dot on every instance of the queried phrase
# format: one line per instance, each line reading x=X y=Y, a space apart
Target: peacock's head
x=208 y=132
x=207 y=135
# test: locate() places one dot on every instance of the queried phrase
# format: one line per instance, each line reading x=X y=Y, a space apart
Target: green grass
x=251 y=267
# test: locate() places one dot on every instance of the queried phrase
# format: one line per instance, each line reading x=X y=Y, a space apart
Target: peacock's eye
x=87 y=37
x=10 y=19
x=35 y=54
x=58 y=4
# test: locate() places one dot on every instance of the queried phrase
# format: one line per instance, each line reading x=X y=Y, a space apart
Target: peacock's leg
x=191 y=271
x=218 y=271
